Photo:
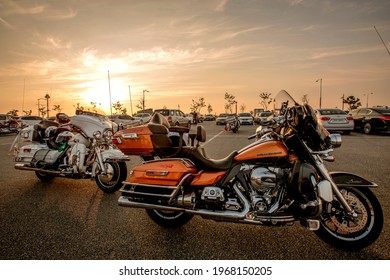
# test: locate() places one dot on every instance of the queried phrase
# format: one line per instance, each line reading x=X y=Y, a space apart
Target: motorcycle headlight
x=107 y=134
x=97 y=134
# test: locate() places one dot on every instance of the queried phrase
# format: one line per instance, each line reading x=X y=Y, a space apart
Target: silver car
x=245 y=118
x=334 y=119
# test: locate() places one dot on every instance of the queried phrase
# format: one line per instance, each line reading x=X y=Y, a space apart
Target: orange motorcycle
x=277 y=180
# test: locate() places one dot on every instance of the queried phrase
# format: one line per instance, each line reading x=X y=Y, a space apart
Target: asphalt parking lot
x=73 y=219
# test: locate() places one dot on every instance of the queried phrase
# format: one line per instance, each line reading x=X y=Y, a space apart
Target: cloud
x=233 y=34
x=221 y=6
x=15 y=8
x=6 y=24
x=332 y=52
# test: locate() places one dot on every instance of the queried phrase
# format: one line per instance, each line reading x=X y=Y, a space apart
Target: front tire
x=345 y=232
x=169 y=219
x=112 y=181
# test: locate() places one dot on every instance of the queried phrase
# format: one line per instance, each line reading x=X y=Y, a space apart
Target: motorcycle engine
x=263 y=182
x=262 y=179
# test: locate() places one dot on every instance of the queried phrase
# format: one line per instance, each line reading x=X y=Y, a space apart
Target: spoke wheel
x=352 y=233
x=112 y=181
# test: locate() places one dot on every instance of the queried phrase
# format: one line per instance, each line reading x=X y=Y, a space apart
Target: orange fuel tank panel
x=263 y=150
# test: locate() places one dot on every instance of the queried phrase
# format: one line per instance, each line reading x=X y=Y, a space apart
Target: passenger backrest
x=200 y=133
x=158 y=124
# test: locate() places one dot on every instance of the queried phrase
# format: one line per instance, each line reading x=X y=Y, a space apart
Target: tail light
x=324 y=118
x=349 y=119
x=384 y=118
x=169 y=118
x=116 y=140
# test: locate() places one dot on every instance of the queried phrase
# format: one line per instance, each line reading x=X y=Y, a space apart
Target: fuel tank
x=269 y=150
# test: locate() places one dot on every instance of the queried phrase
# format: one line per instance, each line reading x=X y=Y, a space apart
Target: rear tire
x=169 y=219
x=367 y=128
x=44 y=176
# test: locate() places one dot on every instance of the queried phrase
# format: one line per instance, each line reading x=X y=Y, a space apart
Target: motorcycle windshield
x=282 y=98
x=92 y=111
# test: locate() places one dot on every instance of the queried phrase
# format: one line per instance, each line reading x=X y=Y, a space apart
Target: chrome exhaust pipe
x=21 y=166
x=124 y=201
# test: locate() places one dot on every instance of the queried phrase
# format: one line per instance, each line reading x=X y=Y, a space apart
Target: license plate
x=338 y=121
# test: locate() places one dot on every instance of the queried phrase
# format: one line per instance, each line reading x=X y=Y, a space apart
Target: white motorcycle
x=79 y=149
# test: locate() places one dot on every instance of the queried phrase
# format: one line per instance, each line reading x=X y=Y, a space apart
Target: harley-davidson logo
x=269 y=154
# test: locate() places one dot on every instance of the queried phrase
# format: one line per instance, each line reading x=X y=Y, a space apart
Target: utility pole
x=131 y=104
x=109 y=91
x=320 y=80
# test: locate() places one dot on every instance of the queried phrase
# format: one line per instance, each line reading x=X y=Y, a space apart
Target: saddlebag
x=159 y=179
x=45 y=157
x=134 y=141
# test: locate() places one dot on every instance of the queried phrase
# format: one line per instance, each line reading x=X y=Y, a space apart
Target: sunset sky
x=179 y=50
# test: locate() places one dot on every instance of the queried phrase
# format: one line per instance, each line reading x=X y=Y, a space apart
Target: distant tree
x=27 y=113
x=230 y=99
x=42 y=111
x=209 y=109
x=78 y=107
x=265 y=100
x=119 y=108
x=242 y=108
x=352 y=102
x=197 y=104
x=57 y=108
x=227 y=108
x=13 y=112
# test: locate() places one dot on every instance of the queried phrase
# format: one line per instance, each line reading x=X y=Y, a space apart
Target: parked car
x=264 y=116
x=334 y=119
x=245 y=118
x=143 y=117
x=370 y=120
x=28 y=120
x=221 y=119
x=209 y=117
x=123 y=120
x=175 y=117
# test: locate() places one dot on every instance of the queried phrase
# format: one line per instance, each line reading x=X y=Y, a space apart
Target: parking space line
x=215 y=136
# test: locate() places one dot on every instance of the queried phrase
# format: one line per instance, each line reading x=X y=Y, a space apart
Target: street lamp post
x=39 y=106
x=320 y=80
x=143 y=99
x=367 y=98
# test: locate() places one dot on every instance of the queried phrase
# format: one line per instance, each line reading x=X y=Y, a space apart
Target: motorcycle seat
x=200 y=160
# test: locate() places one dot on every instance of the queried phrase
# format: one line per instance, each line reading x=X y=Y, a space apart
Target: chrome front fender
x=106 y=156
x=114 y=155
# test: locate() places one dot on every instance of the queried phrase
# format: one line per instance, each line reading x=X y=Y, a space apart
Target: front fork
x=325 y=174
x=100 y=159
